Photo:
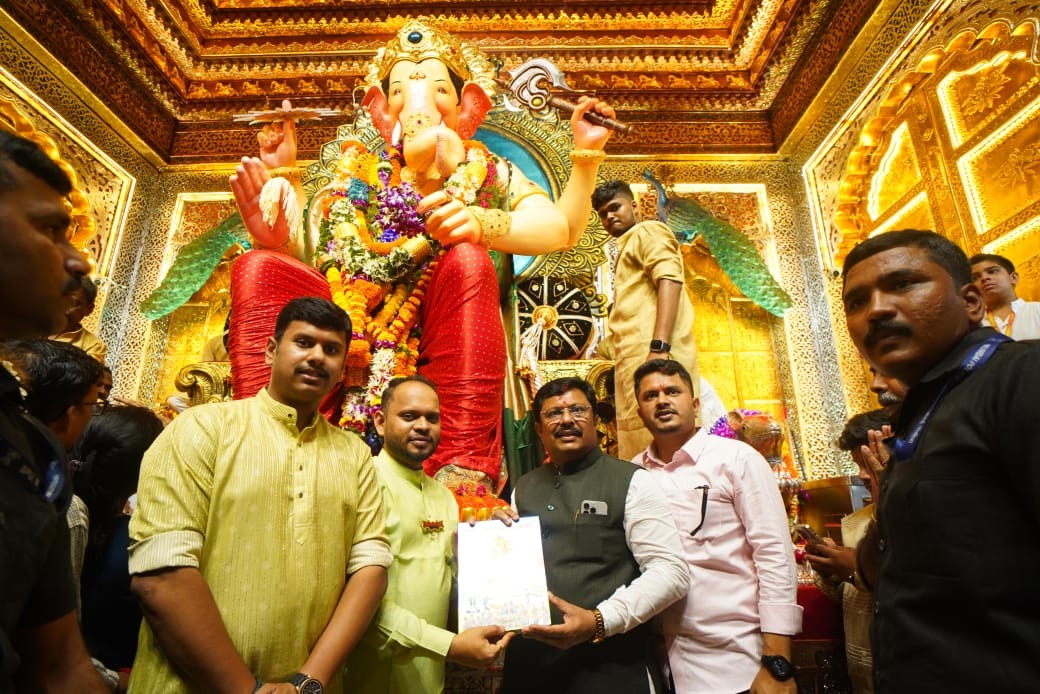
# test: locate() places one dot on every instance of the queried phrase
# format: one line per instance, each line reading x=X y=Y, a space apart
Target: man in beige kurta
x=652 y=315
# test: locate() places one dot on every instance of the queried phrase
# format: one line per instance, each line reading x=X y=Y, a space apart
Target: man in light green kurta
x=652 y=315
x=405 y=648
x=257 y=548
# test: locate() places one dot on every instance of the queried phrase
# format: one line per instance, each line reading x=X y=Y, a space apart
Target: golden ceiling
x=694 y=76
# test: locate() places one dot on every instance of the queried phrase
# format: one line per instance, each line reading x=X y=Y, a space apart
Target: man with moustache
x=257 y=547
x=612 y=559
x=404 y=650
x=956 y=605
x=733 y=631
x=41 y=648
x=996 y=278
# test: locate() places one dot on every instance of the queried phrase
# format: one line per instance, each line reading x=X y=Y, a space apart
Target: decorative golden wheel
x=564 y=311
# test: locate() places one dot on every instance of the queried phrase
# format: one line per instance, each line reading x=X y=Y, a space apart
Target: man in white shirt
x=996 y=278
x=612 y=559
x=733 y=632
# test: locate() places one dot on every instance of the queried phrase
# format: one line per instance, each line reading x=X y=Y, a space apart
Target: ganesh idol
x=400 y=237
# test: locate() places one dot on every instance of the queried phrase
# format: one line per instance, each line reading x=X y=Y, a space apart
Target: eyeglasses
x=579 y=413
x=704 y=507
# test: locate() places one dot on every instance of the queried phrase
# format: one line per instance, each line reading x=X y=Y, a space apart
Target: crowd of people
x=253 y=546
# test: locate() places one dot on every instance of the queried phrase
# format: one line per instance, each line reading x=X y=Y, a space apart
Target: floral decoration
x=366 y=248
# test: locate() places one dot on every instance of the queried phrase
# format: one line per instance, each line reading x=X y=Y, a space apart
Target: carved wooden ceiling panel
x=694 y=76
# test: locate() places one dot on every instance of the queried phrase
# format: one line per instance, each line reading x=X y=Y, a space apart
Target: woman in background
x=107 y=464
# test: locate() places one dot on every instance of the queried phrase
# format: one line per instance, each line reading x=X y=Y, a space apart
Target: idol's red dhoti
x=462 y=349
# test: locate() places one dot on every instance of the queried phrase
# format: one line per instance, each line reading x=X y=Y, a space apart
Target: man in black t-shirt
x=41 y=648
x=958 y=516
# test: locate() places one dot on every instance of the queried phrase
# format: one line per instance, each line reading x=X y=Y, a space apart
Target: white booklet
x=502 y=575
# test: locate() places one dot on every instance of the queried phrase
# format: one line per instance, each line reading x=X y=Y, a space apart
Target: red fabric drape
x=463 y=351
x=262 y=282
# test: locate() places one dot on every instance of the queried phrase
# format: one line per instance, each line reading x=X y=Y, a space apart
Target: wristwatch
x=659 y=346
x=305 y=684
x=779 y=667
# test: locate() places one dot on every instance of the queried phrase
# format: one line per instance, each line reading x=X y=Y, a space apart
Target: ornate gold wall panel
x=130 y=274
x=907 y=41
x=65 y=33
x=955 y=146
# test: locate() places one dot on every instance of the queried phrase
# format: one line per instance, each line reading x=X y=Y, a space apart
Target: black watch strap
x=305 y=684
x=659 y=346
x=779 y=667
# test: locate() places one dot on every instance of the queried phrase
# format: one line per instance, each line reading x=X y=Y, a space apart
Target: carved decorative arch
x=955 y=147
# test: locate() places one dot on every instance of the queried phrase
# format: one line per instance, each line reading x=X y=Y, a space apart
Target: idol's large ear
x=375 y=102
x=474 y=106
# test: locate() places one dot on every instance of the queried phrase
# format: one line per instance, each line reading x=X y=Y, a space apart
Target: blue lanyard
x=904 y=447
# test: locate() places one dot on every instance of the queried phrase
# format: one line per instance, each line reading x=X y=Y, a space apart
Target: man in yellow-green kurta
x=406 y=647
x=652 y=316
x=258 y=550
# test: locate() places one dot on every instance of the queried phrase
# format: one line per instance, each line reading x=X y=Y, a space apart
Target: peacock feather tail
x=194 y=264
x=733 y=251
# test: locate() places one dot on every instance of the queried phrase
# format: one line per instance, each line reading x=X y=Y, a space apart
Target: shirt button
x=881 y=545
x=877 y=607
x=545 y=533
x=551 y=507
x=301 y=495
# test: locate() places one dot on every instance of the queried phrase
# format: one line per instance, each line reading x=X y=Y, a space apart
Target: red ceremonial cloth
x=821 y=616
x=462 y=350
x=262 y=282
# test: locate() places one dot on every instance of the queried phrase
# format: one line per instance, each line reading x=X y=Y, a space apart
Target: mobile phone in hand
x=809 y=535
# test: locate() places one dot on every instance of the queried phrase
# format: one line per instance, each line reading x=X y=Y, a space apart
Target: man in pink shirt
x=732 y=633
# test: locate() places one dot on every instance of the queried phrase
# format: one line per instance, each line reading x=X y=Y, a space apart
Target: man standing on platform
x=404 y=650
x=652 y=316
x=733 y=631
x=257 y=548
x=41 y=648
x=612 y=559
x=996 y=278
x=956 y=606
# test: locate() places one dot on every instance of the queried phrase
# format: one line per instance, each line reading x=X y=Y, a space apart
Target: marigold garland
x=367 y=216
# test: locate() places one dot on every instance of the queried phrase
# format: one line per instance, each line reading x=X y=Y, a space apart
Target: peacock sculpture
x=735 y=254
x=193 y=266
